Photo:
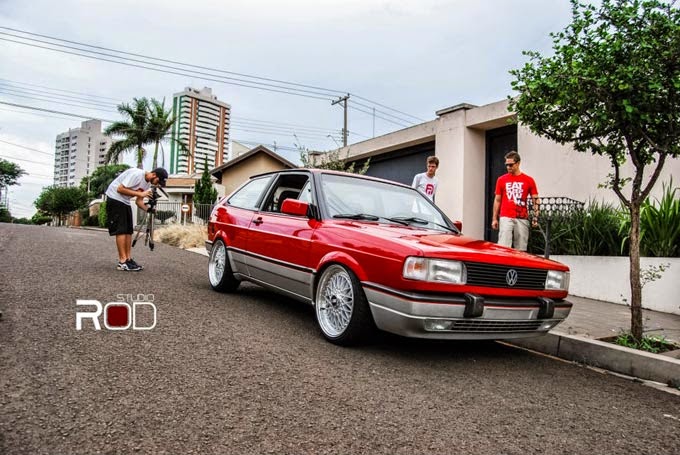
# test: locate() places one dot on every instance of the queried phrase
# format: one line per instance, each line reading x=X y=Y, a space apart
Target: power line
x=290 y=86
x=110 y=121
x=377 y=116
x=27 y=148
x=59 y=90
x=28 y=161
x=56 y=98
x=187 y=73
x=171 y=61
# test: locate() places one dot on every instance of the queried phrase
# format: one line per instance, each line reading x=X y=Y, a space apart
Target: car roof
x=331 y=172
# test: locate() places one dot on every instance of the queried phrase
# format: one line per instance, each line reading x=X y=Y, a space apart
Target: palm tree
x=134 y=130
x=160 y=124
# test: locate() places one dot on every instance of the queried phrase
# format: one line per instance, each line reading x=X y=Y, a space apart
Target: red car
x=370 y=253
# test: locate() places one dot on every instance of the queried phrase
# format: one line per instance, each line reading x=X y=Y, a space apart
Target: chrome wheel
x=218 y=258
x=335 y=301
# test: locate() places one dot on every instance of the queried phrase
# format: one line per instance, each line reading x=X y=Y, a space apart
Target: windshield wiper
x=415 y=219
x=368 y=217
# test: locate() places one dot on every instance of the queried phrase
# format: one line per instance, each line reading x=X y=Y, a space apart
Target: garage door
x=400 y=165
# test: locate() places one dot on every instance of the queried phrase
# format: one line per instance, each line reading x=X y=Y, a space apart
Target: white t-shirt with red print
x=425 y=184
x=514 y=191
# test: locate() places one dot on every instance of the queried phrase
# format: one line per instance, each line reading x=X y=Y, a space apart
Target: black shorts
x=118 y=217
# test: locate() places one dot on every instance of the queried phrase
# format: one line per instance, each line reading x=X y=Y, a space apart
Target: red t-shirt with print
x=514 y=191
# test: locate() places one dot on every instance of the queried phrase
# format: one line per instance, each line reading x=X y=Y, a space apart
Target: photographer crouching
x=131 y=183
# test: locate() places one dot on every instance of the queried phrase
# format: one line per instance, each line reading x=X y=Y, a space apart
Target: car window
x=345 y=195
x=288 y=186
x=249 y=195
x=306 y=193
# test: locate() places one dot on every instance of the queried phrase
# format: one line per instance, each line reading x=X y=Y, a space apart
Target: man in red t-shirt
x=512 y=192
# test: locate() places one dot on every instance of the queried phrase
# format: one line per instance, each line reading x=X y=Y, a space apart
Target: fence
x=551 y=208
x=171 y=212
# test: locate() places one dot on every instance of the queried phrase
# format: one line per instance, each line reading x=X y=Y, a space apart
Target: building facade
x=78 y=152
x=470 y=142
x=202 y=126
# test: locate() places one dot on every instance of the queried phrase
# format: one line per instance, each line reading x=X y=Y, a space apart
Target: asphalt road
x=249 y=373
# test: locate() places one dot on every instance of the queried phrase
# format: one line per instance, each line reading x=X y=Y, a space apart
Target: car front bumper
x=462 y=317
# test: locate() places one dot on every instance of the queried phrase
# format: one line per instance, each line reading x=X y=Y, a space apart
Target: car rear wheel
x=219 y=270
x=341 y=308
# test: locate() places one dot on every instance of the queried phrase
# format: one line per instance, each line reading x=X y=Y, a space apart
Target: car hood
x=434 y=243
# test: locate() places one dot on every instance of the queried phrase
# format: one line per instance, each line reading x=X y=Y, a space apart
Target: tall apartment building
x=78 y=152
x=202 y=125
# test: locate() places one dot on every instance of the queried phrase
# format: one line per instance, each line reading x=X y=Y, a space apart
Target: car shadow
x=382 y=343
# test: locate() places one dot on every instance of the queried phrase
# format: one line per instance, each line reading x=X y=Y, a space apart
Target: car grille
x=495 y=276
x=480 y=325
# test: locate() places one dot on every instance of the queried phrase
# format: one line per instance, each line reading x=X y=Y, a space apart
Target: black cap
x=162 y=175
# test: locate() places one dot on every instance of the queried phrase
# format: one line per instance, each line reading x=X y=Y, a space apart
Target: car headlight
x=440 y=270
x=557 y=281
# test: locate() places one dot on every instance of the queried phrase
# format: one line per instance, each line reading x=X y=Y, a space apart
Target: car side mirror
x=459 y=225
x=294 y=207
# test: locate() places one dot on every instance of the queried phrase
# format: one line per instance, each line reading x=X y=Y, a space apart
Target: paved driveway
x=248 y=373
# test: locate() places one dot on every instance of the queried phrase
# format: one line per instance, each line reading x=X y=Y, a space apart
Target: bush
x=659 y=225
x=102 y=215
x=91 y=221
x=590 y=231
x=164 y=215
x=601 y=229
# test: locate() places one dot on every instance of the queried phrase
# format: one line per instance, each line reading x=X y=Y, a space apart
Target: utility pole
x=343 y=100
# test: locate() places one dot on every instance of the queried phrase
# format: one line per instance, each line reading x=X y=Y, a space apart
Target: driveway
x=249 y=373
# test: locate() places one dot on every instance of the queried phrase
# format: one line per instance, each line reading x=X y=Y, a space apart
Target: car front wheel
x=219 y=270
x=341 y=308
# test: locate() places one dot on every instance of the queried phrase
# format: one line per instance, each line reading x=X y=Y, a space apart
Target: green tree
x=9 y=174
x=204 y=193
x=133 y=130
x=40 y=218
x=331 y=161
x=611 y=88
x=5 y=216
x=59 y=201
x=101 y=178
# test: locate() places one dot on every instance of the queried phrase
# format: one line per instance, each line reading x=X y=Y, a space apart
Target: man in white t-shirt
x=131 y=183
x=426 y=182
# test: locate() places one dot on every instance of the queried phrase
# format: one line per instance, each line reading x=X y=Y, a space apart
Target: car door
x=235 y=218
x=278 y=244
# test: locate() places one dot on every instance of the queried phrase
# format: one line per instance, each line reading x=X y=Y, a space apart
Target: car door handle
x=258 y=220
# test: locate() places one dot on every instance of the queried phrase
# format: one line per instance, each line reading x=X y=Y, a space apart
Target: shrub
x=659 y=225
x=102 y=214
x=589 y=231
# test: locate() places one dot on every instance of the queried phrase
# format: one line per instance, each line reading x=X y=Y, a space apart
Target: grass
x=189 y=236
x=653 y=343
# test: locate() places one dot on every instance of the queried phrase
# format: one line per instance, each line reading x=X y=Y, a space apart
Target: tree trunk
x=635 y=285
x=155 y=157
x=140 y=158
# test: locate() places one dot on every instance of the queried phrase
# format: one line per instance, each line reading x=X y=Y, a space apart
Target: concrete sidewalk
x=579 y=339
x=597 y=319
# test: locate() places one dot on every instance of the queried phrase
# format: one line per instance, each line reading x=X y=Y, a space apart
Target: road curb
x=631 y=362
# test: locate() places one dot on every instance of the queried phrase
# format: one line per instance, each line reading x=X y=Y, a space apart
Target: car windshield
x=369 y=200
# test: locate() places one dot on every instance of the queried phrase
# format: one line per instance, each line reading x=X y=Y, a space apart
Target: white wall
x=607 y=278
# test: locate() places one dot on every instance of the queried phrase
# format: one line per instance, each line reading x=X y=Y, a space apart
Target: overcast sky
x=415 y=57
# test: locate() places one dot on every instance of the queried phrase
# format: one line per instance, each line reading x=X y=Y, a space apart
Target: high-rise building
x=202 y=126
x=78 y=152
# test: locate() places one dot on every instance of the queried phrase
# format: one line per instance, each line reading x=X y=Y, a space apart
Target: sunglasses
x=510 y=164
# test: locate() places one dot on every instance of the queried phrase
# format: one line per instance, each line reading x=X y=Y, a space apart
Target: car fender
x=337 y=257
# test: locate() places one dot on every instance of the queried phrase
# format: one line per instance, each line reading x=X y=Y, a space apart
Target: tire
x=341 y=308
x=219 y=269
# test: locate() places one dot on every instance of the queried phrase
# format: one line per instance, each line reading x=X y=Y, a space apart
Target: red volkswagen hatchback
x=370 y=253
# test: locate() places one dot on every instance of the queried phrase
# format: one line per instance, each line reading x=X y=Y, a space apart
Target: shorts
x=513 y=231
x=118 y=218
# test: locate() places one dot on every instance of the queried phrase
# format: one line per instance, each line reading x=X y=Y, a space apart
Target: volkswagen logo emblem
x=511 y=277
